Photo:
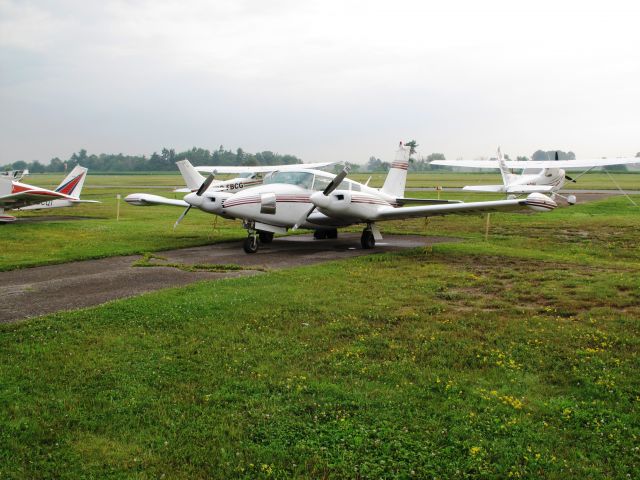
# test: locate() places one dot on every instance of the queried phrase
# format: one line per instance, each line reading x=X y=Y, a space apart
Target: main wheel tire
x=320 y=234
x=250 y=244
x=367 y=241
x=333 y=233
x=265 y=237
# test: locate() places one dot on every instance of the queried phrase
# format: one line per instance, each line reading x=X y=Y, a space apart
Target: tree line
x=163 y=161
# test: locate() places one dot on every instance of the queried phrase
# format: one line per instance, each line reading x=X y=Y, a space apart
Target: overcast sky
x=324 y=80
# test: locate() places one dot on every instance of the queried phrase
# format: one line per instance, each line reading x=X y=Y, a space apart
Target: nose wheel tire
x=367 y=241
x=250 y=244
x=265 y=237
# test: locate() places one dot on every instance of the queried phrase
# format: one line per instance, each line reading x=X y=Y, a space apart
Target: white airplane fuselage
x=282 y=205
x=553 y=177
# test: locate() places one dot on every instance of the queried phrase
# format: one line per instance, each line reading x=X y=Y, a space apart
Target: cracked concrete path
x=40 y=290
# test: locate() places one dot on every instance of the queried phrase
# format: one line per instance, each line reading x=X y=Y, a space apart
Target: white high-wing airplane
x=313 y=199
x=15 y=195
x=249 y=176
x=537 y=176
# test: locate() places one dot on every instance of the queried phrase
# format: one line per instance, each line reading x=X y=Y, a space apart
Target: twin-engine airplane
x=537 y=176
x=15 y=195
x=323 y=202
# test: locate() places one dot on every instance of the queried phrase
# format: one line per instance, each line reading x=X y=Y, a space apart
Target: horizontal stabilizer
x=485 y=188
x=146 y=200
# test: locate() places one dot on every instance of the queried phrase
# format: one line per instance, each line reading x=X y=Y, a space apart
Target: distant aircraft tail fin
x=504 y=171
x=190 y=175
x=397 y=177
x=72 y=183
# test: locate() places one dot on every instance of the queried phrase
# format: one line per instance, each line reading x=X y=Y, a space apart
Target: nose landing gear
x=367 y=240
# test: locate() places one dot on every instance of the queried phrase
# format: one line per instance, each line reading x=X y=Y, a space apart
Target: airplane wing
x=263 y=168
x=534 y=202
x=582 y=163
x=27 y=196
x=509 y=189
x=146 y=200
x=424 y=201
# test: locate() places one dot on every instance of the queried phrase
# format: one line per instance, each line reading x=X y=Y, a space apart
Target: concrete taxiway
x=41 y=290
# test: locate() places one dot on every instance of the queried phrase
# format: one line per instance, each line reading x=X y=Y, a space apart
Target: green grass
x=512 y=358
x=91 y=231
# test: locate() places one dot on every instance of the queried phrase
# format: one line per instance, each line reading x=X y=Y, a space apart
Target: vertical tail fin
x=72 y=183
x=504 y=171
x=397 y=176
x=191 y=177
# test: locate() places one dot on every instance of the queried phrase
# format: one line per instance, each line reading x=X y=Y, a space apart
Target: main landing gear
x=265 y=237
x=325 y=233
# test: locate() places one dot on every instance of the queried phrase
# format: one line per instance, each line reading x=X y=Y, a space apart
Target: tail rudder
x=72 y=183
x=504 y=171
x=191 y=177
x=397 y=177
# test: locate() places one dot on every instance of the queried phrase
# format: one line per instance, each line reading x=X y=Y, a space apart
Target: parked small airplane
x=323 y=202
x=16 y=175
x=15 y=195
x=547 y=176
x=249 y=176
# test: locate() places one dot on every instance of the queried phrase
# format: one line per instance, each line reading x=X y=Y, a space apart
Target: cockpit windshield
x=302 y=179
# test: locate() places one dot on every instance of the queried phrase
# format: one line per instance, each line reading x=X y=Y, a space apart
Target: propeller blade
x=337 y=180
x=303 y=218
x=205 y=185
x=567 y=177
x=181 y=217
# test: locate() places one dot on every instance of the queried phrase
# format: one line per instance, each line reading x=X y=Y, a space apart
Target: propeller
x=201 y=190
x=333 y=184
x=566 y=177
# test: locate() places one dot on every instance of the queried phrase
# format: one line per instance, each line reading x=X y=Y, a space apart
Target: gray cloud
x=320 y=79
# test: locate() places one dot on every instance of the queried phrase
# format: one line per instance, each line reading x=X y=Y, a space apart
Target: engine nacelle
x=539 y=202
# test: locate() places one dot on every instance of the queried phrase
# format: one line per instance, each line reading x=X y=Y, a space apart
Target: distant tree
x=19 y=165
x=550 y=155
x=376 y=165
x=522 y=159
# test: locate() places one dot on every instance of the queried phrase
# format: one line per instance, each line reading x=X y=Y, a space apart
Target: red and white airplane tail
x=73 y=183
x=397 y=177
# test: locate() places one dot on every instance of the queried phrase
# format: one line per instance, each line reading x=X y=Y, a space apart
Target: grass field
x=511 y=358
